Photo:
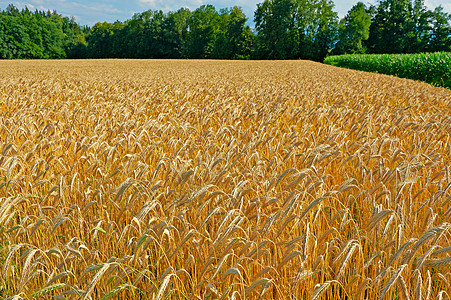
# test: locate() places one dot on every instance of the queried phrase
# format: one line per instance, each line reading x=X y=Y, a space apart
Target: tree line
x=284 y=29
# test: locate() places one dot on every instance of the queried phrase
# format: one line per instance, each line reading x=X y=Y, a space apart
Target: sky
x=89 y=12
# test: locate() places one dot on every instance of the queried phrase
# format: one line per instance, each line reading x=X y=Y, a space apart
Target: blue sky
x=89 y=12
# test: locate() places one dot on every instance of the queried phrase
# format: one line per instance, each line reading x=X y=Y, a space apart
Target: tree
x=53 y=36
x=405 y=26
x=180 y=22
x=100 y=40
x=33 y=25
x=38 y=34
x=152 y=43
x=354 y=28
x=440 y=30
x=131 y=36
x=322 y=30
x=162 y=37
x=203 y=30
x=235 y=38
x=290 y=29
x=74 y=41
x=13 y=37
x=417 y=28
x=277 y=34
x=285 y=29
x=387 y=29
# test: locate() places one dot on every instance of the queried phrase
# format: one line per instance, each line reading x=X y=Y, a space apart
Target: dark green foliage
x=204 y=26
x=406 y=26
x=235 y=39
x=353 y=30
x=285 y=29
x=290 y=29
x=434 y=68
x=440 y=30
x=277 y=35
x=203 y=33
x=100 y=40
x=39 y=34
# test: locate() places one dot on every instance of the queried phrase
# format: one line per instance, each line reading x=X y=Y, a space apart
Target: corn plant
x=434 y=68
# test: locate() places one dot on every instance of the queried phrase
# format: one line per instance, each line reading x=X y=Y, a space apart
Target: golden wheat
x=132 y=179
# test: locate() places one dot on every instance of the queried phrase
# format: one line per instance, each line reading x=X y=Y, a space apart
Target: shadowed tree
x=440 y=30
x=204 y=27
x=290 y=29
x=354 y=28
x=235 y=38
x=100 y=40
x=405 y=26
x=277 y=33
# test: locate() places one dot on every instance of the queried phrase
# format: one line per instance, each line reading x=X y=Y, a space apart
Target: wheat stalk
x=103 y=268
x=321 y=289
x=217 y=177
x=163 y=286
x=404 y=289
x=392 y=281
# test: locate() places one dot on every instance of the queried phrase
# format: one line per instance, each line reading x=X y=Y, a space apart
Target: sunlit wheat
x=126 y=179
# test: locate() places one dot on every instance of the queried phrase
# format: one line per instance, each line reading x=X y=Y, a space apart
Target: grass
x=132 y=179
x=434 y=68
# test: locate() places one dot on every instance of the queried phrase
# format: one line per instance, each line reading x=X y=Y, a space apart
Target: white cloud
x=103 y=8
x=170 y=5
x=431 y=4
x=23 y=4
x=86 y=12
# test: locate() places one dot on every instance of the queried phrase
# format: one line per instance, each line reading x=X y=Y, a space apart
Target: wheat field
x=129 y=179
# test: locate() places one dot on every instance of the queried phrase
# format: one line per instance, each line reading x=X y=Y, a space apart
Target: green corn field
x=434 y=68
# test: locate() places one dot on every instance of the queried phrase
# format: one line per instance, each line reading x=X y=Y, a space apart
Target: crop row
x=434 y=68
x=221 y=180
